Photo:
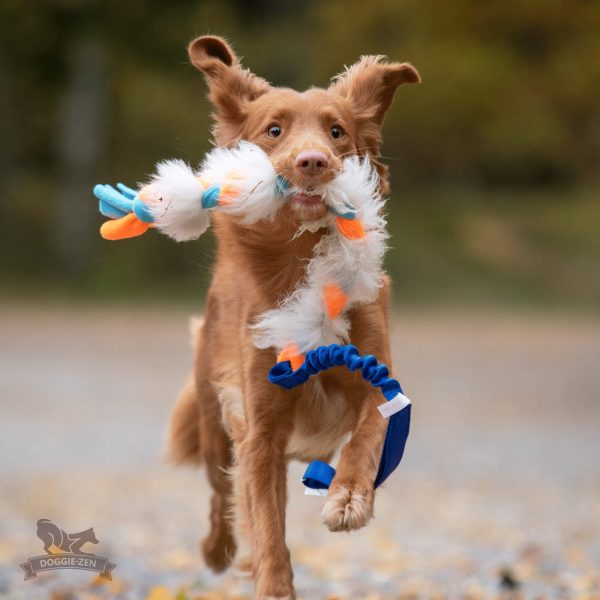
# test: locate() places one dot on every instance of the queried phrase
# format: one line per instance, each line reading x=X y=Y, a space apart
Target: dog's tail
x=183 y=437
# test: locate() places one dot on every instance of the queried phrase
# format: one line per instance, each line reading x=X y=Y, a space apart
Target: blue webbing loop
x=112 y=204
x=116 y=203
x=210 y=196
x=141 y=211
x=126 y=191
x=319 y=475
x=281 y=185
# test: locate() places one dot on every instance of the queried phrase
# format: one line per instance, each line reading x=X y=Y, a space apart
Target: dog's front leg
x=263 y=467
x=352 y=493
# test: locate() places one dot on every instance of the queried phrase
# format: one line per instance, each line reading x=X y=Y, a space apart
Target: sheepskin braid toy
x=345 y=270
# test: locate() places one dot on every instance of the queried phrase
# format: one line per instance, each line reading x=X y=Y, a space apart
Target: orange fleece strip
x=128 y=226
x=228 y=194
x=335 y=299
x=290 y=352
x=351 y=228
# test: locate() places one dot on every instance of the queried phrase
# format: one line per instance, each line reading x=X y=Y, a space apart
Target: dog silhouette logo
x=55 y=538
x=64 y=551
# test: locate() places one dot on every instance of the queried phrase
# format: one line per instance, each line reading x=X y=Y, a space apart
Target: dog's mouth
x=308 y=204
x=307 y=198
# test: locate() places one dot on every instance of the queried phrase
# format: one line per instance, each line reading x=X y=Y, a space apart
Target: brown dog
x=229 y=417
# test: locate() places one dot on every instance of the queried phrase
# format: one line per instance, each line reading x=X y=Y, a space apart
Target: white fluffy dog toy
x=345 y=269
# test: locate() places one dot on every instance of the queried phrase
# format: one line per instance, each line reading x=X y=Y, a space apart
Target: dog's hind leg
x=196 y=435
x=219 y=546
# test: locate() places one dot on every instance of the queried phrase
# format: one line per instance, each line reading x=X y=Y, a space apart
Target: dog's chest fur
x=322 y=418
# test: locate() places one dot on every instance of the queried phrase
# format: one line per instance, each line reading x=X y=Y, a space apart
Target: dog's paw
x=218 y=551
x=348 y=508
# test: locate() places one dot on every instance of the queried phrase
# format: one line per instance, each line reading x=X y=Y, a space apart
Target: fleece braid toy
x=345 y=270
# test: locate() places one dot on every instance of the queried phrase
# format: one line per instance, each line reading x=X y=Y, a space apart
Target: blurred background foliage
x=494 y=158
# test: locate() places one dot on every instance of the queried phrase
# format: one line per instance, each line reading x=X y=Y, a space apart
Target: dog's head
x=306 y=134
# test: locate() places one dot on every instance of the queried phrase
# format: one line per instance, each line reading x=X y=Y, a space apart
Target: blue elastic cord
x=319 y=474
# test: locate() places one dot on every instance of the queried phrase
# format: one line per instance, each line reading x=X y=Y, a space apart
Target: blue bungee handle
x=319 y=475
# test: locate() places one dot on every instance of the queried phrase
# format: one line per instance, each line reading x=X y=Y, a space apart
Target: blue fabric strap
x=115 y=204
x=210 y=196
x=126 y=191
x=140 y=209
x=281 y=185
x=112 y=204
x=319 y=475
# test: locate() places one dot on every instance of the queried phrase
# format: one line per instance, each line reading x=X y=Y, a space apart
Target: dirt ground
x=498 y=494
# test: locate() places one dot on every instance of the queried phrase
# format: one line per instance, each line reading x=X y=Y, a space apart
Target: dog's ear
x=369 y=85
x=231 y=86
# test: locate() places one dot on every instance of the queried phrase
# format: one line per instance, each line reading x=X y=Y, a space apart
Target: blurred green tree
x=96 y=90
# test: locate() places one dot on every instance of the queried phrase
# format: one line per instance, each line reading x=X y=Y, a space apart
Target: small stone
x=508 y=580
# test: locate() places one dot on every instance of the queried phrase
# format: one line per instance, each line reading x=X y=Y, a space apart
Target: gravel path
x=498 y=494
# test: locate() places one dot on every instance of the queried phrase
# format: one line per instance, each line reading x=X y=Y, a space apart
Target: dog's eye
x=336 y=132
x=274 y=131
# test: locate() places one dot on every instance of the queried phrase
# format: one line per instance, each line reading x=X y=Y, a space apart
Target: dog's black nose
x=311 y=162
